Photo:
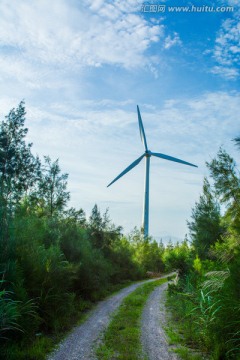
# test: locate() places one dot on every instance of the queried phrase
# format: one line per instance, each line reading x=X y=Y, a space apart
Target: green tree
x=51 y=194
x=226 y=178
x=178 y=258
x=147 y=252
x=74 y=216
x=205 y=228
x=19 y=170
x=102 y=231
x=95 y=219
x=18 y=167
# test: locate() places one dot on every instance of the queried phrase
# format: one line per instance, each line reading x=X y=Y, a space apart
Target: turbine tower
x=147 y=155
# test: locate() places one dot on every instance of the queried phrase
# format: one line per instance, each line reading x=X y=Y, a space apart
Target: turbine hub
x=148 y=153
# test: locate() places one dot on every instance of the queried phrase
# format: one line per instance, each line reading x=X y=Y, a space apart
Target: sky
x=83 y=66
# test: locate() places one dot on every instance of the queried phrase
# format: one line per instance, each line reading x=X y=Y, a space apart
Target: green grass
x=186 y=354
x=178 y=345
x=181 y=331
x=173 y=336
x=122 y=337
x=36 y=351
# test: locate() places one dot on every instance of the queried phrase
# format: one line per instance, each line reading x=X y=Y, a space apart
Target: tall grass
x=208 y=314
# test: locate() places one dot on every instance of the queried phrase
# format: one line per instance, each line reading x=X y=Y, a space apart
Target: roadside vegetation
x=54 y=261
x=205 y=302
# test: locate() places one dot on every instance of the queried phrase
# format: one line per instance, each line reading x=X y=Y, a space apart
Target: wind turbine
x=147 y=156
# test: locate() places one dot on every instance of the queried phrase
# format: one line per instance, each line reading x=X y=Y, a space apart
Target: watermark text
x=156 y=8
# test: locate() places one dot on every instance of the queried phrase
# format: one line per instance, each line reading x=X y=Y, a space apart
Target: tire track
x=154 y=340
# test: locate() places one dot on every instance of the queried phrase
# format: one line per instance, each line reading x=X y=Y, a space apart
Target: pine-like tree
x=205 y=228
x=18 y=167
x=52 y=191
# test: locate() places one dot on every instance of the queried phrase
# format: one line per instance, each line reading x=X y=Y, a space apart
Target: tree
x=19 y=170
x=178 y=257
x=226 y=178
x=76 y=217
x=205 y=228
x=51 y=194
x=18 y=167
x=103 y=232
x=95 y=219
x=147 y=252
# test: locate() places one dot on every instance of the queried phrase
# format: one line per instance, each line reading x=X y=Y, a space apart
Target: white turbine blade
x=167 y=157
x=135 y=163
x=141 y=128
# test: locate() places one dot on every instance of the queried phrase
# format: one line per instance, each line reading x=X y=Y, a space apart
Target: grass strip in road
x=122 y=338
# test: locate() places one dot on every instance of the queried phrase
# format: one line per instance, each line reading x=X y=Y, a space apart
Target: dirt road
x=81 y=343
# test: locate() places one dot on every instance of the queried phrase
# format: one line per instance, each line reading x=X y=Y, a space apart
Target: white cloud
x=44 y=36
x=195 y=128
x=227 y=45
x=226 y=72
x=171 y=41
x=21 y=70
x=234 y=3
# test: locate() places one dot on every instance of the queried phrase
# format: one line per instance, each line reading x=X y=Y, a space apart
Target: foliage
x=226 y=178
x=205 y=227
x=147 y=252
x=178 y=257
x=9 y=313
x=51 y=195
x=18 y=167
x=205 y=301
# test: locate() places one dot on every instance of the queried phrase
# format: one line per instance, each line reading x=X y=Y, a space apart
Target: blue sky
x=83 y=66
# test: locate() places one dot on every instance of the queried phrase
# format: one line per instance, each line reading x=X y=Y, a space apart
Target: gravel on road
x=154 y=340
x=81 y=343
